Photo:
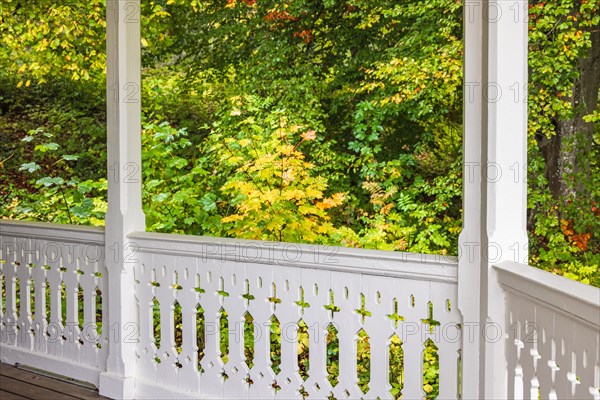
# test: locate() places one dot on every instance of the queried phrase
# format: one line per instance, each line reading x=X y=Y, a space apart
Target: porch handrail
x=571 y=297
x=51 y=231
x=428 y=267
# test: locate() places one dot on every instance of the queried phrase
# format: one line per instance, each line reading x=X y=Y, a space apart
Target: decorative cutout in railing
x=52 y=284
x=229 y=327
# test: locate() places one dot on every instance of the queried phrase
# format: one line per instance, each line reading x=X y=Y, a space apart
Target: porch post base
x=116 y=387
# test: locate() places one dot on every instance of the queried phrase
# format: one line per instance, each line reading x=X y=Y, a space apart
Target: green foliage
x=239 y=83
x=563 y=231
x=396 y=373
x=409 y=212
x=64 y=200
x=559 y=36
x=564 y=238
x=431 y=371
x=47 y=39
x=172 y=201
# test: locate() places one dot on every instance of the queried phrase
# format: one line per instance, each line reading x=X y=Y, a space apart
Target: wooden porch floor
x=19 y=384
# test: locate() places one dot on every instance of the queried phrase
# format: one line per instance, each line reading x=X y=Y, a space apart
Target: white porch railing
x=53 y=314
x=219 y=318
x=553 y=334
x=205 y=284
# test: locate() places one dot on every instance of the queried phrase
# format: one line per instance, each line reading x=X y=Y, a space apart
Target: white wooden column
x=125 y=215
x=495 y=185
x=469 y=263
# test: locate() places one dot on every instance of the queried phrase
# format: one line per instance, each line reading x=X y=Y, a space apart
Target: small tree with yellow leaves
x=273 y=192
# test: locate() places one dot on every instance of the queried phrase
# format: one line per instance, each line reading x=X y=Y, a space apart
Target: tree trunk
x=567 y=153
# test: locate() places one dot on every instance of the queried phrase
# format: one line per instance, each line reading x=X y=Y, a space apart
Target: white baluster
x=287 y=281
x=261 y=374
x=211 y=381
x=234 y=276
x=348 y=323
x=316 y=284
x=188 y=378
x=379 y=327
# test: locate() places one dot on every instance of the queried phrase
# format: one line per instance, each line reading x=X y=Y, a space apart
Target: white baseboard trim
x=154 y=391
x=85 y=373
x=52 y=364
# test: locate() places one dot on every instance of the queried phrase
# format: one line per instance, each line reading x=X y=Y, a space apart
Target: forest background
x=313 y=121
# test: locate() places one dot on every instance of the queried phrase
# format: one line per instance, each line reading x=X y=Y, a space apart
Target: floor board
x=16 y=383
x=10 y=396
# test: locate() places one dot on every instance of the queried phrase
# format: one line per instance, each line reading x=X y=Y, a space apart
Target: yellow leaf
x=22 y=69
x=20 y=84
x=28 y=83
x=232 y=218
x=325 y=204
x=144 y=42
x=339 y=198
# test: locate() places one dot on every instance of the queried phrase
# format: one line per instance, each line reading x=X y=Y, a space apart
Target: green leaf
x=177 y=163
x=70 y=157
x=48 y=181
x=181 y=196
x=153 y=183
x=83 y=188
x=84 y=209
x=47 y=146
x=160 y=197
x=30 y=167
x=208 y=202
